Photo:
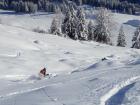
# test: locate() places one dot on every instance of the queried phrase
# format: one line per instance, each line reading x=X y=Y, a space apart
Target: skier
x=42 y=73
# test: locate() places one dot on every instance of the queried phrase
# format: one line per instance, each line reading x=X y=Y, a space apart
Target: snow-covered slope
x=82 y=73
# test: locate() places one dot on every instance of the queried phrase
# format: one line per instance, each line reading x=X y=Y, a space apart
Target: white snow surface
x=78 y=75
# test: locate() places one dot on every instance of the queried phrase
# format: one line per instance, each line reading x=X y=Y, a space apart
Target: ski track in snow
x=8 y=55
x=116 y=89
x=59 y=82
x=38 y=88
x=25 y=91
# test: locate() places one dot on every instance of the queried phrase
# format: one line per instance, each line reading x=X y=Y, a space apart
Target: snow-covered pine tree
x=90 y=30
x=32 y=7
x=79 y=2
x=69 y=24
x=19 y=6
x=121 y=38
x=6 y=2
x=59 y=16
x=26 y=7
x=81 y=25
x=73 y=22
x=54 y=28
x=66 y=22
x=102 y=32
x=136 y=39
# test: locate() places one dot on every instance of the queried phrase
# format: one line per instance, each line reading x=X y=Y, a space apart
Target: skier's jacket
x=43 y=72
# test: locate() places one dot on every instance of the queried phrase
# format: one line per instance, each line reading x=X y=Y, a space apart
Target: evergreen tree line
x=29 y=6
x=74 y=23
x=122 y=6
x=74 y=26
x=19 y=5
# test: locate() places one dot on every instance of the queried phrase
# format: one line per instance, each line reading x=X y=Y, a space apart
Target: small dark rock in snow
x=36 y=41
x=103 y=59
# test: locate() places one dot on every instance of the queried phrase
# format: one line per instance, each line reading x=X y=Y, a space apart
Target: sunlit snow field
x=78 y=74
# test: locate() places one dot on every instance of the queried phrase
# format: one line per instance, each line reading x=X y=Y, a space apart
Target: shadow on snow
x=119 y=98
